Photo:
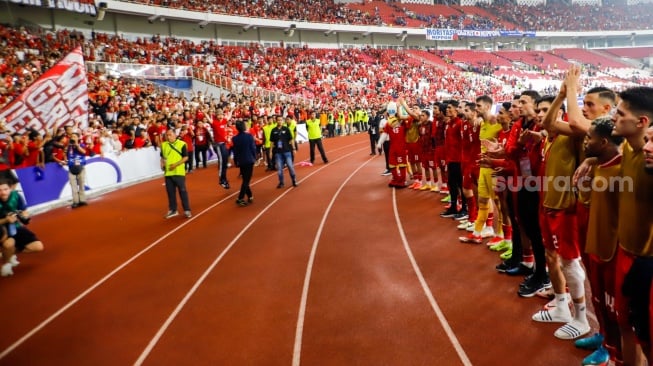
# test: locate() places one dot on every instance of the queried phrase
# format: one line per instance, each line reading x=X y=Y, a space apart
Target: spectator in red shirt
x=202 y=140
x=187 y=136
x=34 y=148
x=19 y=151
x=220 y=132
x=142 y=140
x=257 y=132
x=155 y=132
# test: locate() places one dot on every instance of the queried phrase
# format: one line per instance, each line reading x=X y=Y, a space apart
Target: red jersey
x=425 y=137
x=202 y=137
x=153 y=131
x=397 y=134
x=507 y=164
x=97 y=146
x=453 y=141
x=231 y=132
x=258 y=134
x=520 y=153
x=57 y=153
x=188 y=139
x=438 y=131
x=33 y=153
x=219 y=130
x=139 y=142
x=502 y=138
x=18 y=158
x=471 y=142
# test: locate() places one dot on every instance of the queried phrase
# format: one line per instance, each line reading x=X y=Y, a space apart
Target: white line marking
x=206 y=273
x=434 y=304
x=104 y=279
x=299 y=331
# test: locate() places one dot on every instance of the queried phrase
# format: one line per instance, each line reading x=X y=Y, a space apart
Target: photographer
x=76 y=161
x=15 y=237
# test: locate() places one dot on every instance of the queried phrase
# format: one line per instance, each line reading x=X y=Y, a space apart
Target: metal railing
x=240 y=87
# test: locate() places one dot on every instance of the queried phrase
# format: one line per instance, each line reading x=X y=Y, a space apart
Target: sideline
x=148 y=349
x=299 y=330
x=434 y=304
x=104 y=279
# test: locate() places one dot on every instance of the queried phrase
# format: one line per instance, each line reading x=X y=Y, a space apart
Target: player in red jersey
x=601 y=244
x=471 y=145
x=395 y=130
x=413 y=147
x=427 y=150
x=438 y=133
x=452 y=145
x=634 y=269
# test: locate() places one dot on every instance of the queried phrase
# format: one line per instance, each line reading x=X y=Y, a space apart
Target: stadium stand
x=589 y=57
x=501 y=15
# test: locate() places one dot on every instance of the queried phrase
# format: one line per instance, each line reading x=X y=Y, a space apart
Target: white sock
x=562 y=304
x=580 y=312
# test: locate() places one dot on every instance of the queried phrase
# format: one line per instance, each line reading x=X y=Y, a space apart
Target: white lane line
x=434 y=304
x=104 y=279
x=299 y=331
x=206 y=273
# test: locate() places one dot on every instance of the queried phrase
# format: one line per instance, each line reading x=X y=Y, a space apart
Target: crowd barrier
x=47 y=188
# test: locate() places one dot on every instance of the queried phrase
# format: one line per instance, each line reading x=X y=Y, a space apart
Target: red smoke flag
x=59 y=97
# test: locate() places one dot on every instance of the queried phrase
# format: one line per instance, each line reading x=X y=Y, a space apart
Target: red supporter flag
x=57 y=98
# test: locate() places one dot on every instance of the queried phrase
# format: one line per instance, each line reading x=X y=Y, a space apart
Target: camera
x=19 y=215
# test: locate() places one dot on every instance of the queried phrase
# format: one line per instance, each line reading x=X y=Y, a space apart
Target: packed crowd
x=127 y=114
x=356 y=76
x=322 y=74
x=25 y=55
x=351 y=76
x=465 y=151
x=558 y=17
x=308 y=10
x=565 y=195
x=550 y=17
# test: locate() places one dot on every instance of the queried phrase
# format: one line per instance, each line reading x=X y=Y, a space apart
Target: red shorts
x=471 y=172
x=414 y=153
x=396 y=157
x=559 y=232
x=440 y=157
x=428 y=160
x=601 y=276
x=582 y=220
x=636 y=293
x=624 y=262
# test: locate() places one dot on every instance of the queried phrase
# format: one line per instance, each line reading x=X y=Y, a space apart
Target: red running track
x=341 y=270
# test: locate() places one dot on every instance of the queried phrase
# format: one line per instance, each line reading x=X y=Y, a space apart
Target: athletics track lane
x=364 y=305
